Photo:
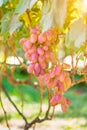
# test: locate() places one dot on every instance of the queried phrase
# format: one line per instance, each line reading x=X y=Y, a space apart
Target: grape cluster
x=59 y=81
x=43 y=64
x=57 y=78
x=38 y=50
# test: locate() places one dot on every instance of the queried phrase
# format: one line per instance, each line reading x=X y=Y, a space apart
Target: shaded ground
x=58 y=123
x=55 y=124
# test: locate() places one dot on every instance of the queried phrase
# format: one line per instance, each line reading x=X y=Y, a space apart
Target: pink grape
x=46 y=78
x=64 y=107
x=50 y=84
x=55 y=81
x=64 y=104
x=56 y=99
x=35 y=30
x=22 y=41
x=30 y=68
x=62 y=76
x=37 y=69
x=49 y=35
x=42 y=72
x=32 y=50
x=47 y=54
x=27 y=55
x=40 y=51
x=45 y=48
x=41 y=59
x=42 y=38
x=34 y=57
x=27 y=45
x=68 y=102
x=60 y=86
x=43 y=65
x=33 y=38
x=52 y=58
x=48 y=43
x=57 y=70
x=52 y=73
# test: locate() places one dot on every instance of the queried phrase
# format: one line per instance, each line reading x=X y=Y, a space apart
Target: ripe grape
x=27 y=45
x=30 y=68
x=37 y=69
x=22 y=41
x=35 y=30
x=34 y=57
x=56 y=99
x=42 y=38
x=33 y=38
x=45 y=48
x=40 y=51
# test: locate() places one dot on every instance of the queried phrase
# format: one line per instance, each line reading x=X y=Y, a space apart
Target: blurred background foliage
x=17 y=17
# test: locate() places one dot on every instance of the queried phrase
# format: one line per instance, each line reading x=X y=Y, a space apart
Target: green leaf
x=23 y=5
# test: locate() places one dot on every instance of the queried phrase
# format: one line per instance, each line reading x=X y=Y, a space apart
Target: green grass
x=29 y=93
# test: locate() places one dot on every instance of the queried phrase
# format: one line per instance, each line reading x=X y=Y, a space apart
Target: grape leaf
x=23 y=5
x=47 y=20
x=56 y=15
x=60 y=7
x=9 y=23
x=76 y=33
x=5 y=23
x=14 y=24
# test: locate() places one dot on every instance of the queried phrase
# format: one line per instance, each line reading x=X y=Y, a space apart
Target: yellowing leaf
x=76 y=34
x=60 y=7
x=2 y=57
x=56 y=15
x=25 y=18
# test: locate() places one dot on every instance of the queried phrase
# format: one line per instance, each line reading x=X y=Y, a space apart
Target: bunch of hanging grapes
x=59 y=81
x=39 y=51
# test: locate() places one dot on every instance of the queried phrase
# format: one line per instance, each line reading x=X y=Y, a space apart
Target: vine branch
x=21 y=114
x=5 y=114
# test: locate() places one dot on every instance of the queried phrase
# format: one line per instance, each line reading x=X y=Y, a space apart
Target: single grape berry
x=42 y=38
x=33 y=38
x=37 y=69
x=34 y=57
x=30 y=68
x=40 y=51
